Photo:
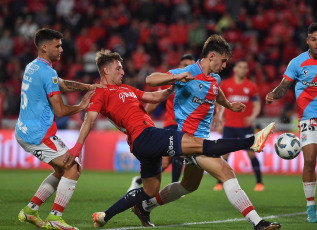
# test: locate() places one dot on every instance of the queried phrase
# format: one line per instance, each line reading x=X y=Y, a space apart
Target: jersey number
x=24 y=98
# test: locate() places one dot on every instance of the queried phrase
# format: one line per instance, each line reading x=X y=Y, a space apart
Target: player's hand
x=69 y=159
x=237 y=107
x=86 y=99
x=248 y=121
x=269 y=98
x=184 y=77
x=94 y=86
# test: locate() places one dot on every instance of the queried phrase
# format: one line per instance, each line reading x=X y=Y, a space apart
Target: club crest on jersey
x=246 y=90
x=55 y=80
x=305 y=72
x=123 y=95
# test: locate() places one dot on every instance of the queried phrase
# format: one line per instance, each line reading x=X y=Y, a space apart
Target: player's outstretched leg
x=143 y=215
x=266 y=225
x=99 y=219
x=311 y=214
x=57 y=222
x=261 y=137
x=135 y=183
x=31 y=216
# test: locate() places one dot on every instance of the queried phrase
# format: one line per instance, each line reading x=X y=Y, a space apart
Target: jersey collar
x=43 y=60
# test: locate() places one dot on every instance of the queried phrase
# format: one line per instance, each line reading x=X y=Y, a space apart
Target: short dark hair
x=312 y=28
x=217 y=44
x=187 y=57
x=45 y=34
x=240 y=60
x=105 y=57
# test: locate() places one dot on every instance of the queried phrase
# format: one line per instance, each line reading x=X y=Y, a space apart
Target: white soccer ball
x=287 y=146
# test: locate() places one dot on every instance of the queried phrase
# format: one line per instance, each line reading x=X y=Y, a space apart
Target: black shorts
x=152 y=144
x=230 y=132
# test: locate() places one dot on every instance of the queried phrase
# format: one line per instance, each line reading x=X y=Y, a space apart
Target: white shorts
x=308 y=131
x=52 y=148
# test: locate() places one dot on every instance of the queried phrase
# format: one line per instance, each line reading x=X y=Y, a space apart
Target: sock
x=177 y=166
x=221 y=147
x=65 y=190
x=130 y=199
x=46 y=189
x=256 y=168
x=168 y=194
x=309 y=190
x=240 y=201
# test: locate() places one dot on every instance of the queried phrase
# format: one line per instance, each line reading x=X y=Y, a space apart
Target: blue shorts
x=152 y=144
x=229 y=132
x=171 y=127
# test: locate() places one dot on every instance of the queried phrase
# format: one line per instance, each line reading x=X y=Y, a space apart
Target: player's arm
x=158 y=79
x=85 y=129
x=157 y=96
x=279 y=91
x=61 y=110
x=217 y=121
x=234 y=106
x=151 y=107
x=255 y=112
x=72 y=86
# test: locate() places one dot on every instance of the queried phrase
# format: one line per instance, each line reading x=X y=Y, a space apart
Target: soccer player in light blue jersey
x=194 y=105
x=36 y=129
x=302 y=71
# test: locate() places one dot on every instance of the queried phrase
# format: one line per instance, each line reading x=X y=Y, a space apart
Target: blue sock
x=130 y=199
x=214 y=148
x=256 y=168
x=177 y=166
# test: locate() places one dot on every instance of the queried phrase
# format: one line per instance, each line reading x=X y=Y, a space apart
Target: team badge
x=305 y=72
x=55 y=80
x=246 y=90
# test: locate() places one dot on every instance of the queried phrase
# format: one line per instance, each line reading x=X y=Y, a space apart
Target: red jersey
x=121 y=104
x=245 y=92
x=169 y=116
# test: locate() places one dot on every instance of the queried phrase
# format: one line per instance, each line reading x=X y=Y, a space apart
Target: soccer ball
x=287 y=146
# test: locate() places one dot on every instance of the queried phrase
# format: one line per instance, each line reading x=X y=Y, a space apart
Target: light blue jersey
x=303 y=70
x=36 y=119
x=194 y=101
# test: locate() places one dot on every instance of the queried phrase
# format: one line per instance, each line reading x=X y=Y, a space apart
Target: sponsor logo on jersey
x=123 y=95
x=55 y=80
x=200 y=87
x=239 y=98
x=309 y=84
x=305 y=72
x=203 y=101
x=171 y=150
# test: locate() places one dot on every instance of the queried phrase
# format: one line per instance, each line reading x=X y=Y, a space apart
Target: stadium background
x=151 y=35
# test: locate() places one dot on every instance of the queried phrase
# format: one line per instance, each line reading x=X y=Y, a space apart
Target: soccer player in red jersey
x=169 y=123
x=236 y=125
x=122 y=104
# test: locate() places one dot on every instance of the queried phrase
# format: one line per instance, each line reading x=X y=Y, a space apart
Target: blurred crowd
x=152 y=35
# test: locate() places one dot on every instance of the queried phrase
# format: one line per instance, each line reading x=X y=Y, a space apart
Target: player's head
x=217 y=50
x=241 y=68
x=312 y=39
x=110 y=66
x=186 y=59
x=49 y=44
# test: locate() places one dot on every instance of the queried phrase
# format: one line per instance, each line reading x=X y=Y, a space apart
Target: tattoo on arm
x=281 y=90
x=74 y=86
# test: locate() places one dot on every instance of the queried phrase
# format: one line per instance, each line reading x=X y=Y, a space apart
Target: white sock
x=240 y=201
x=168 y=194
x=45 y=191
x=309 y=190
x=65 y=190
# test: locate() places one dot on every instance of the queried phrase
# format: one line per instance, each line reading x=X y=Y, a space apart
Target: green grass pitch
x=283 y=201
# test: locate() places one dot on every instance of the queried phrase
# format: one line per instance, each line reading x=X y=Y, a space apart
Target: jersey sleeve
x=51 y=83
x=291 y=73
x=97 y=101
